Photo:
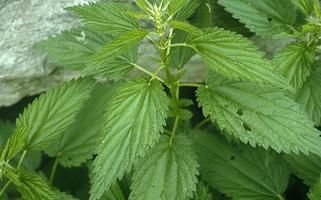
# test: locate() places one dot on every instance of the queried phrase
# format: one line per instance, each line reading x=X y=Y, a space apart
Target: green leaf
x=305 y=5
x=294 y=62
x=73 y=49
x=315 y=191
x=234 y=57
x=185 y=26
x=134 y=118
x=179 y=56
x=78 y=142
x=202 y=192
x=119 y=46
x=31 y=186
x=264 y=17
x=186 y=10
x=306 y=167
x=167 y=172
x=309 y=96
x=6 y=129
x=258 y=115
x=112 y=18
x=116 y=68
x=114 y=193
x=47 y=117
x=239 y=171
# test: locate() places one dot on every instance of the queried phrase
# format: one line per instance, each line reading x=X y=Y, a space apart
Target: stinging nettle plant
x=134 y=124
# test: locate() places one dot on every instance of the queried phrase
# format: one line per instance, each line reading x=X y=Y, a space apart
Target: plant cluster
x=260 y=114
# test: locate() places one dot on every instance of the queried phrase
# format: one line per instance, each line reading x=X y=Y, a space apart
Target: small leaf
x=119 y=46
x=47 y=117
x=315 y=191
x=133 y=120
x=294 y=63
x=264 y=17
x=78 y=142
x=309 y=96
x=185 y=26
x=234 y=57
x=239 y=171
x=167 y=172
x=112 y=18
x=258 y=115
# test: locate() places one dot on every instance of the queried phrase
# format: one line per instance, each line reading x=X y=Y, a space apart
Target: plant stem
x=53 y=171
x=190 y=85
x=4 y=188
x=149 y=73
x=202 y=123
x=180 y=45
x=21 y=159
x=280 y=197
x=174 y=130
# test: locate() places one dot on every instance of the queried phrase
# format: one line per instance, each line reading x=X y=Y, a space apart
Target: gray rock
x=23 y=23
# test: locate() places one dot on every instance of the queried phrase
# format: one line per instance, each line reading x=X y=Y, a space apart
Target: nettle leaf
x=234 y=57
x=306 y=167
x=167 y=172
x=31 y=186
x=202 y=192
x=309 y=96
x=294 y=62
x=48 y=117
x=112 y=18
x=134 y=118
x=305 y=5
x=119 y=46
x=115 y=68
x=73 y=49
x=264 y=17
x=78 y=142
x=239 y=171
x=315 y=191
x=258 y=115
x=186 y=10
x=114 y=193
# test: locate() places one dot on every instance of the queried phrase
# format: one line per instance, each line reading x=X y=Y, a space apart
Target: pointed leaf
x=78 y=143
x=134 y=118
x=234 y=57
x=306 y=167
x=239 y=171
x=294 y=63
x=48 y=117
x=73 y=49
x=309 y=96
x=260 y=116
x=315 y=191
x=264 y=17
x=112 y=18
x=167 y=172
x=119 y=46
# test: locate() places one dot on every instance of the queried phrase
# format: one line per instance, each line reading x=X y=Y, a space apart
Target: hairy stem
x=174 y=130
x=53 y=171
x=149 y=73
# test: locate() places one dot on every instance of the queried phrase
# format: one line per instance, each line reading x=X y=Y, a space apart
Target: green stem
x=149 y=73
x=180 y=45
x=4 y=188
x=202 y=123
x=21 y=159
x=174 y=130
x=280 y=197
x=53 y=171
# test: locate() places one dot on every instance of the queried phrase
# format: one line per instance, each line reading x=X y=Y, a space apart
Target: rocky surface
x=23 y=23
